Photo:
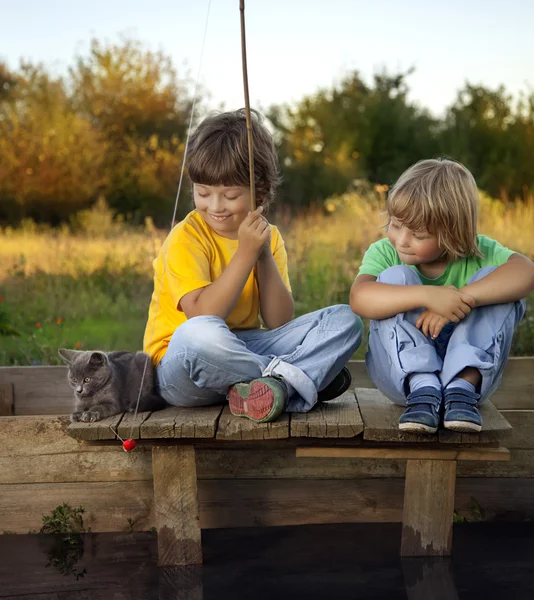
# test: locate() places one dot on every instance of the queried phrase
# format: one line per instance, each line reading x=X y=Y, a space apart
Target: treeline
x=115 y=126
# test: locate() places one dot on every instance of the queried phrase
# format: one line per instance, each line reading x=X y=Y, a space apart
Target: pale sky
x=294 y=46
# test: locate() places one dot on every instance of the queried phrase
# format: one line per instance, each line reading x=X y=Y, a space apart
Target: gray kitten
x=106 y=384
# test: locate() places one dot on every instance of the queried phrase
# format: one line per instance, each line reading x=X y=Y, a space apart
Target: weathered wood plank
x=516 y=391
x=522 y=433
x=176 y=505
x=485 y=454
x=429 y=495
x=130 y=424
x=175 y=422
x=381 y=419
x=45 y=390
x=197 y=423
x=6 y=399
x=239 y=428
x=37 y=435
x=339 y=418
x=106 y=429
x=495 y=428
x=39 y=390
x=227 y=503
x=78 y=467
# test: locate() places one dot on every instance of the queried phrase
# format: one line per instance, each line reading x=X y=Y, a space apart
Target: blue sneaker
x=461 y=412
x=422 y=411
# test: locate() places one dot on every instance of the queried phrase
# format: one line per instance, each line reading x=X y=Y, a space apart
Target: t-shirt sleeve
x=494 y=253
x=187 y=266
x=280 y=256
x=379 y=256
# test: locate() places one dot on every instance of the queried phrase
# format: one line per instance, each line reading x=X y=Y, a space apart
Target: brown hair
x=218 y=154
x=439 y=196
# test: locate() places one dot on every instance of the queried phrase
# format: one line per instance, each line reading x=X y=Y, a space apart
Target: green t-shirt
x=382 y=254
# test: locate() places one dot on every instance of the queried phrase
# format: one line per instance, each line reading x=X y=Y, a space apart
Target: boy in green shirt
x=443 y=301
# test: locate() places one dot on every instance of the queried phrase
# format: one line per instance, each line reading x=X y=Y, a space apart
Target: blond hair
x=439 y=196
x=218 y=154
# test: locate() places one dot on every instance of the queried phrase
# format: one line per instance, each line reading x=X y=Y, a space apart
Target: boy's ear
x=68 y=355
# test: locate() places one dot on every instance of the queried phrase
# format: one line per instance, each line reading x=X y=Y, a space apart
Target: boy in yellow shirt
x=220 y=269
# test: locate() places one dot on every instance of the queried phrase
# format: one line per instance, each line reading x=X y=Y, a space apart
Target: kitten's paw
x=90 y=416
x=76 y=417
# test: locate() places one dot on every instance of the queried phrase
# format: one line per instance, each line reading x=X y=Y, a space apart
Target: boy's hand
x=448 y=302
x=430 y=323
x=254 y=232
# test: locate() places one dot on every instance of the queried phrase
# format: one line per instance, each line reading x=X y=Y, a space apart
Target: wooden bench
x=358 y=425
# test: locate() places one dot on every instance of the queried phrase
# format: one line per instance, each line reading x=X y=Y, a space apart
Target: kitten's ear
x=98 y=359
x=68 y=355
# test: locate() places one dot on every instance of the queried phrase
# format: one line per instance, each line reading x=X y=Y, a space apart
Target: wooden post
x=180 y=583
x=429 y=579
x=6 y=400
x=428 y=507
x=176 y=506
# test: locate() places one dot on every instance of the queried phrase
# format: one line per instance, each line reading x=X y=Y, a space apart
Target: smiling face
x=414 y=247
x=222 y=207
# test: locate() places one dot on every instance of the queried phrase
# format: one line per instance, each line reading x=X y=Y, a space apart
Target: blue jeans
x=205 y=358
x=482 y=340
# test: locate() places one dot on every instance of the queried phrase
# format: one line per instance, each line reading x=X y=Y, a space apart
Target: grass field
x=91 y=289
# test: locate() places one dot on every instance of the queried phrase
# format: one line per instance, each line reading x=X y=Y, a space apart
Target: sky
x=294 y=47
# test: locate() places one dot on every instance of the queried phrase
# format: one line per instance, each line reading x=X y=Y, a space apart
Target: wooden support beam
x=176 y=506
x=428 y=508
x=6 y=400
x=488 y=454
x=429 y=579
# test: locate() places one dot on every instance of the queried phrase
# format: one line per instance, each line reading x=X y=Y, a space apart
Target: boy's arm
x=220 y=297
x=374 y=300
x=512 y=281
x=276 y=302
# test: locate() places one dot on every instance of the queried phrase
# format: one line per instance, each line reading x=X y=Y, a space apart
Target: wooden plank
x=522 y=434
x=176 y=422
x=113 y=465
x=6 y=399
x=486 y=454
x=239 y=428
x=38 y=435
x=516 y=391
x=429 y=494
x=250 y=503
x=429 y=579
x=130 y=424
x=197 y=423
x=339 y=418
x=176 y=505
x=381 y=419
x=495 y=428
x=105 y=429
x=44 y=390
x=39 y=390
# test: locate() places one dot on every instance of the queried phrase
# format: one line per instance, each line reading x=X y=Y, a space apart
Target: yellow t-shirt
x=192 y=257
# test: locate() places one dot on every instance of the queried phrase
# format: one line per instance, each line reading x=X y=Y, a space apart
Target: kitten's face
x=88 y=371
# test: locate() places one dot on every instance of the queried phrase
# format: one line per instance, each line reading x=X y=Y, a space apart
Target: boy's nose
x=216 y=204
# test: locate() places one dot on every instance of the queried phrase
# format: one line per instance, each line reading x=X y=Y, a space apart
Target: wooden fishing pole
x=247 y=107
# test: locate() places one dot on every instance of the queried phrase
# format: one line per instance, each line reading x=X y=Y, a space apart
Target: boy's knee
x=201 y=333
x=399 y=275
x=481 y=273
x=341 y=316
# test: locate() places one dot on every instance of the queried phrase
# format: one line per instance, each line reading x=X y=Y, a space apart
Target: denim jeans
x=482 y=340
x=205 y=358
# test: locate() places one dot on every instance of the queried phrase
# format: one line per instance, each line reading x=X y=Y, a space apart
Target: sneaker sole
x=253 y=401
x=462 y=426
x=417 y=428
